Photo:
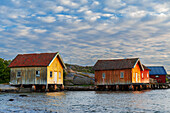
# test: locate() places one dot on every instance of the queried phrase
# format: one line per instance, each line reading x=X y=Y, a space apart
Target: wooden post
x=117 y=87
x=62 y=87
x=33 y=88
x=55 y=87
x=47 y=88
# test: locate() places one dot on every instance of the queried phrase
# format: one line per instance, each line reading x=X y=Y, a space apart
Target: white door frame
x=136 y=77
x=55 y=77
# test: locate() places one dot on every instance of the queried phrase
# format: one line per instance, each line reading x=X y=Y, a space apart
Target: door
x=136 y=77
x=55 y=77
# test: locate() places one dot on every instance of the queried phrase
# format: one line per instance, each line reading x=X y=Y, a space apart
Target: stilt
x=62 y=86
x=47 y=88
x=55 y=87
x=33 y=88
x=131 y=87
x=117 y=87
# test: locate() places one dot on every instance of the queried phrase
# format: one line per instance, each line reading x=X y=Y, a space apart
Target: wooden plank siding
x=55 y=66
x=136 y=74
x=28 y=75
x=145 y=78
x=112 y=77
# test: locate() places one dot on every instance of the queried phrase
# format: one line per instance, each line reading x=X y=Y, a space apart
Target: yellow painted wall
x=55 y=66
x=137 y=70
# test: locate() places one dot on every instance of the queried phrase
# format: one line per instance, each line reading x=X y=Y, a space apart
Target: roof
x=145 y=67
x=34 y=60
x=157 y=70
x=114 y=64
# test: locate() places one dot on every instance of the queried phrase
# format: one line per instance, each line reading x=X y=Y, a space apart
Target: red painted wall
x=145 y=78
x=160 y=79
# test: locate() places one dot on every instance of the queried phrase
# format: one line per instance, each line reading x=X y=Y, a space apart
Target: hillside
x=86 y=69
x=79 y=75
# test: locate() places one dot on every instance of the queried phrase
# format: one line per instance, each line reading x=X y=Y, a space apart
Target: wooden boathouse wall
x=112 y=77
x=28 y=75
x=145 y=78
x=55 y=67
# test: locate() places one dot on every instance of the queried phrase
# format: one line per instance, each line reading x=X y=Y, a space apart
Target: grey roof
x=116 y=64
x=157 y=70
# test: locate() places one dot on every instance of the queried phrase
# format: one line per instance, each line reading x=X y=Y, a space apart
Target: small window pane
x=121 y=74
x=142 y=75
x=37 y=73
x=103 y=75
x=59 y=74
x=133 y=75
x=19 y=74
x=51 y=73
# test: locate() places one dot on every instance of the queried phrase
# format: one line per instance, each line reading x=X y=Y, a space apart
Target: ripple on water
x=154 y=101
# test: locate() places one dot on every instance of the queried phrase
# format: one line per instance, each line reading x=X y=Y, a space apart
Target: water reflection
x=54 y=94
x=88 y=101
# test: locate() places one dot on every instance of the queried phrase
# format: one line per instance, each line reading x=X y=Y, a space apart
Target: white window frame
x=18 y=74
x=142 y=75
x=59 y=75
x=37 y=75
x=122 y=74
x=103 y=75
x=134 y=75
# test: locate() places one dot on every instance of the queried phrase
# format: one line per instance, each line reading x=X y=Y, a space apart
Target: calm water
x=154 y=101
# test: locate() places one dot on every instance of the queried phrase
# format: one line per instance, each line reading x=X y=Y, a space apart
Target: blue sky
x=87 y=30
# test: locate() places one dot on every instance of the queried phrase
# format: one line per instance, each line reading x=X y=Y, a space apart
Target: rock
x=11 y=100
x=23 y=95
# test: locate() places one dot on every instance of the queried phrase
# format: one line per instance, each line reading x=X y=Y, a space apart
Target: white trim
x=140 y=64
x=53 y=59
x=60 y=59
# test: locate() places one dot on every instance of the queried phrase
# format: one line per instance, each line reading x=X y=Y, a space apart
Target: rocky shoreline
x=8 y=88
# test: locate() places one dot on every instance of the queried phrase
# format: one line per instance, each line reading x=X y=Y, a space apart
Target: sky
x=84 y=31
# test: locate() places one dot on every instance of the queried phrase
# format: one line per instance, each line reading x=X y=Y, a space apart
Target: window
x=133 y=75
x=121 y=74
x=103 y=75
x=19 y=74
x=142 y=75
x=147 y=75
x=59 y=74
x=51 y=74
x=37 y=73
x=157 y=76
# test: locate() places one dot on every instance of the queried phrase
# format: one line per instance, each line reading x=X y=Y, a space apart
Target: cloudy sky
x=84 y=31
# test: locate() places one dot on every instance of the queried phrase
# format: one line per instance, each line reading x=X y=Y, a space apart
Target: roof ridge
x=118 y=59
x=37 y=53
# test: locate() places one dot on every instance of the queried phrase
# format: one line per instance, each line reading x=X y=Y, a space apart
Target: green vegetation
x=4 y=71
x=86 y=69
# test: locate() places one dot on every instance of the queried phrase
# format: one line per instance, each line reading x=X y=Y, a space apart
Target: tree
x=4 y=71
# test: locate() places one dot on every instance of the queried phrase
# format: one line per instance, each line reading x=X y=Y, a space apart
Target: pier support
x=33 y=88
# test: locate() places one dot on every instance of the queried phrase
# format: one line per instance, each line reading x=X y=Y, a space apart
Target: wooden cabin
x=158 y=73
x=145 y=75
x=121 y=72
x=43 y=69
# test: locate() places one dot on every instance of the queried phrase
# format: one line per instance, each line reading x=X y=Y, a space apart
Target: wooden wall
x=159 y=79
x=145 y=78
x=112 y=77
x=55 y=67
x=136 y=74
x=28 y=75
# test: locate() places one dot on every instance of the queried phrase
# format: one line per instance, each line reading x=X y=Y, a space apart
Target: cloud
x=40 y=30
x=85 y=31
x=48 y=19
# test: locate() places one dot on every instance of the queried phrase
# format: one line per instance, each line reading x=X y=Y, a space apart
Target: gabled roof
x=157 y=70
x=145 y=67
x=114 y=64
x=35 y=60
